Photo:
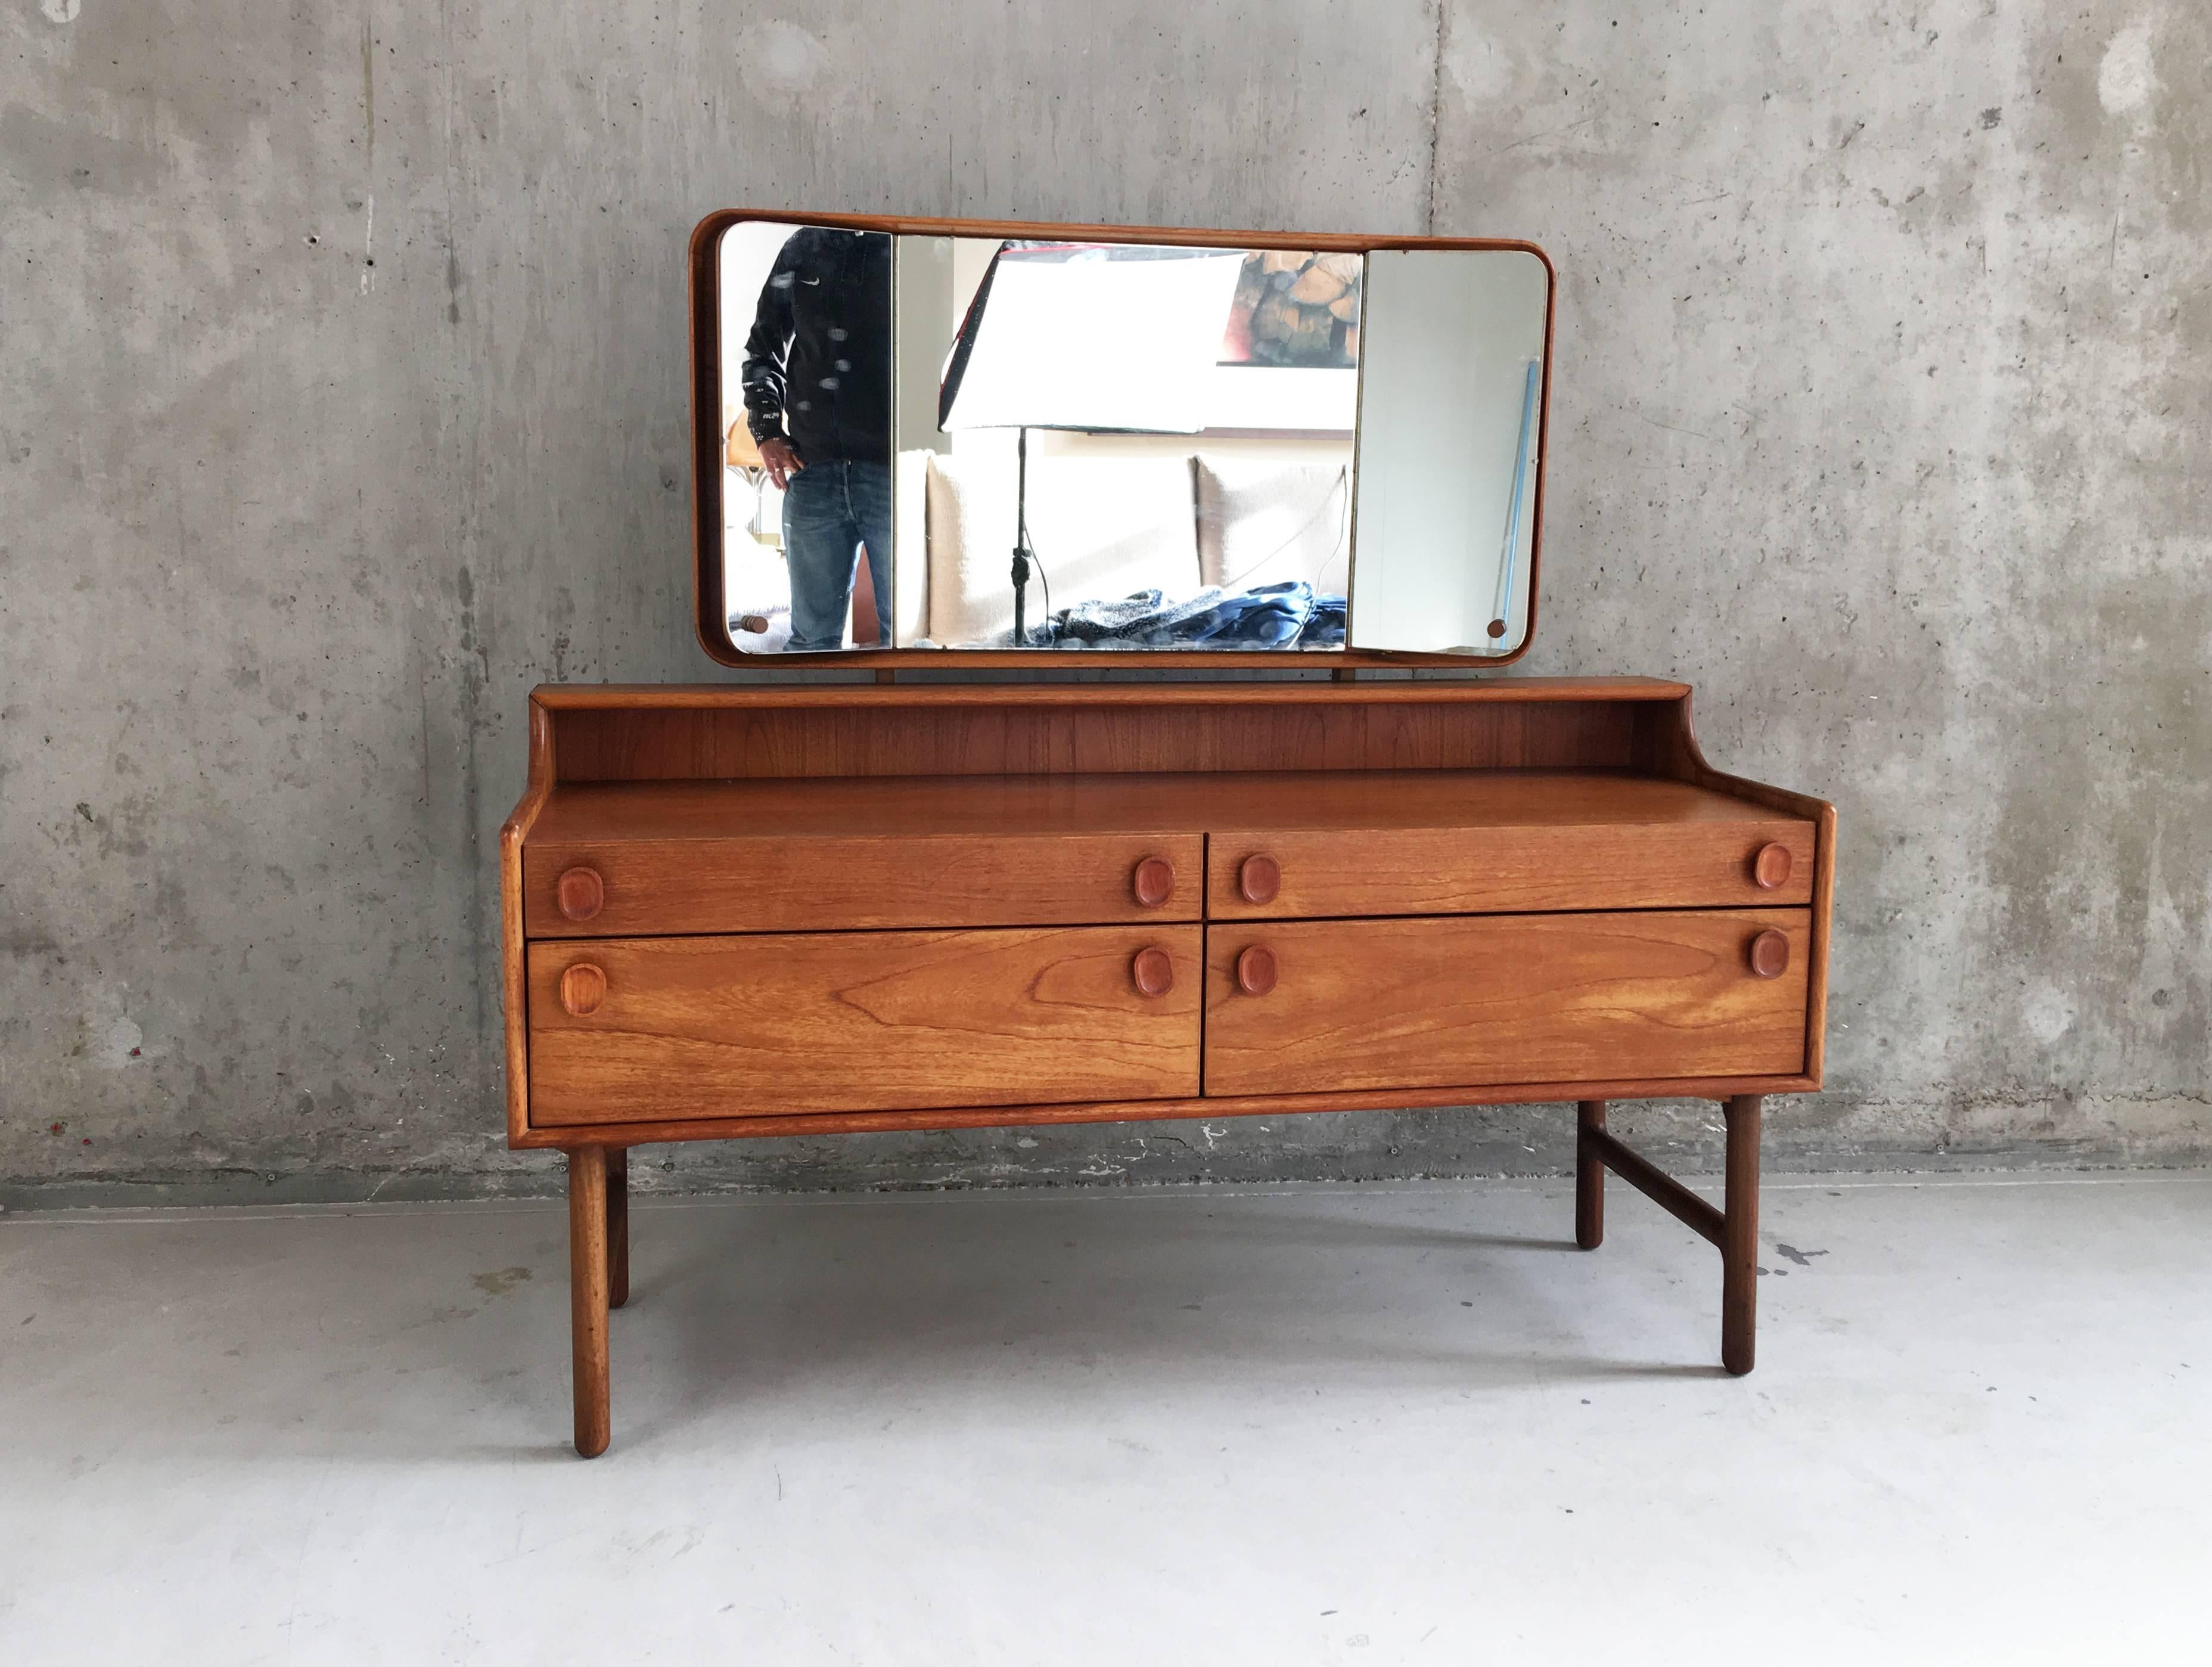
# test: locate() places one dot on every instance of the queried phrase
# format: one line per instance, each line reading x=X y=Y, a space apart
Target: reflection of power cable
x=1343 y=518
x=1051 y=619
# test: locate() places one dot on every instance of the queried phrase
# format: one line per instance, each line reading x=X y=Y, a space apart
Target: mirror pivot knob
x=1255 y=970
x=1770 y=954
x=1770 y=869
x=1153 y=972
x=1259 y=879
x=583 y=987
x=580 y=892
x=1153 y=881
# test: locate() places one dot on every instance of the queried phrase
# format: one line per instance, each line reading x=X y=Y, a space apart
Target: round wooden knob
x=1770 y=867
x=1255 y=970
x=1153 y=972
x=583 y=987
x=1258 y=879
x=1153 y=881
x=579 y=892
x=1770 y=954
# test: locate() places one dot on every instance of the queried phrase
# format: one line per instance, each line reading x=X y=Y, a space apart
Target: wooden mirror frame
x=708 y=441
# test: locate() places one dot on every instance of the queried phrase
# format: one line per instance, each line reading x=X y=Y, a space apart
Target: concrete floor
x=1358 y=1425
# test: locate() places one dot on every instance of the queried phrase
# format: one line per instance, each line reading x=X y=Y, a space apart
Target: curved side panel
x=1668 y=746
x=513 y=970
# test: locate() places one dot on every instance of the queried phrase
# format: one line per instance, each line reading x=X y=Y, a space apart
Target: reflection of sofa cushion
x=909 y=548
x=1263 y=523
x=754 y=577
x=1101 y=527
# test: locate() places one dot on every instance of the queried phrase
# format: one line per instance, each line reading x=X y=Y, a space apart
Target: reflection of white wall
x=924 y=317
x=754 y=578
x=1446 y=338
x=748 y=251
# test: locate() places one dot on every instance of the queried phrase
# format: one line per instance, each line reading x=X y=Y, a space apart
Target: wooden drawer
x=635 y=888
x=860 y=1021
x=1439 y=1003
x=1507 y=867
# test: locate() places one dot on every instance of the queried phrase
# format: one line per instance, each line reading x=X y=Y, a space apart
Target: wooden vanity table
x=742 y=911
x=773 y=908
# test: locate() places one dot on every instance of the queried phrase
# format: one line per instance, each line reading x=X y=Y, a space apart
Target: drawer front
x=1314 y=874
x=1441 y=1003
x=632 y=1029
x=642 y=887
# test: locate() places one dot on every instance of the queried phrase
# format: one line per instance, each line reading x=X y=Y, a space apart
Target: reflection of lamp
x=1112 y=337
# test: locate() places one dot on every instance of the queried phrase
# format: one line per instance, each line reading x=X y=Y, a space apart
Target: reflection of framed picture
x=1290 y=356
x=1295 y=310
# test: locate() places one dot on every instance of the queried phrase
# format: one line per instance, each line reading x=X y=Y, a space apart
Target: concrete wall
x=344 y=399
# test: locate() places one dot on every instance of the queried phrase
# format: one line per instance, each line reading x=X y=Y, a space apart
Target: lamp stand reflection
x=1022 y=551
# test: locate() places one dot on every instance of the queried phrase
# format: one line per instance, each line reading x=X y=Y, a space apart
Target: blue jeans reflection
x=829 y=510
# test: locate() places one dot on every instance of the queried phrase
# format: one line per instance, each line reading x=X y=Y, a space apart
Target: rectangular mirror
x=1020 y=441
x=1448 y=427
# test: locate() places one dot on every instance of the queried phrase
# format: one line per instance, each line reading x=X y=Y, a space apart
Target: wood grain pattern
x=1152 y=882
x=1771 y=866
x=579 y=892
x=587 y=1298
x=1429 y=1002
x=921 y=807
x=1654 y=1184
x=1477 y=869
x=889 y=852
x=1255 y=970
x=726 y=740
x=1152 y=970
x=582 y=988
x=1589 y=1175
x=730 y=1027
x=617 y=1227
x=514 y=981
x=1656 y=695
x=710 y=611
x=750 y=882
x=1259 y=879
x=1613 y=722
x=724 y=1127
x=1665 y=744
x=1739 y=1235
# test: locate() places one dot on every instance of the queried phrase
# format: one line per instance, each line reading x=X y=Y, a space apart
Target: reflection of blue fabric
x=1284 y=616
x=829 y=510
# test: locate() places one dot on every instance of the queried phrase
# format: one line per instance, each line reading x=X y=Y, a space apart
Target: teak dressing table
x=748 y=910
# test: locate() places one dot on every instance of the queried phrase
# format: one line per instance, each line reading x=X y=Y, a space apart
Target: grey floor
x=1355 y=1425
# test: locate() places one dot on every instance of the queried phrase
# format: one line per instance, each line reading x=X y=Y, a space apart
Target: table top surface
x=924 y=806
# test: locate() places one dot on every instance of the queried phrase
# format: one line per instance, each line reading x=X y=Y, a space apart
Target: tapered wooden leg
x=617 y=1227
x=587 y=1295
x=1589 y=1177
x=1739 y=1235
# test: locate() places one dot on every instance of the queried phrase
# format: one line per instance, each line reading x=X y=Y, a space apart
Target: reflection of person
x=817 y=390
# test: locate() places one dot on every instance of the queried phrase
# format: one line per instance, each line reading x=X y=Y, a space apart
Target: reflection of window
x=1295 y=309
